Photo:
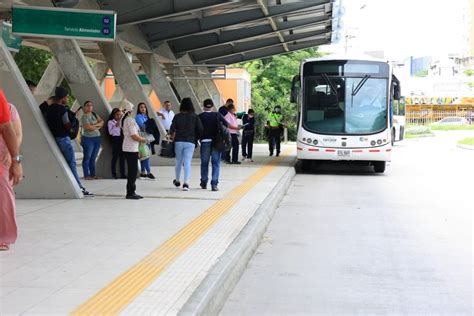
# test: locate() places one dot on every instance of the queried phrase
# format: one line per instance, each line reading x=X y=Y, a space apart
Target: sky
x=404 y=28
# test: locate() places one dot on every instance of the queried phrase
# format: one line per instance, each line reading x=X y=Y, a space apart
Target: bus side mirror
x=294 y=89
x=396 y=92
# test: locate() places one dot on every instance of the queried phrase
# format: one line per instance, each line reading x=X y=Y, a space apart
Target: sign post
x=13 y=42
x=96 y=25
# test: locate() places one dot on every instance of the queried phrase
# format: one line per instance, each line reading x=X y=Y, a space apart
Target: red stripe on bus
x=374 y=151
x=357 y=151
x=299 y=148
x=389 y=149
x=313 y=149
x=330 y=150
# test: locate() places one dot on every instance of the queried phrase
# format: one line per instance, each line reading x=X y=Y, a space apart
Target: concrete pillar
x=83 y=82
x=184 y=88
x=52 y=77
x=158 y=79
x=216 y=95
x=127 y=78
x=200 y=89
x=47 y=175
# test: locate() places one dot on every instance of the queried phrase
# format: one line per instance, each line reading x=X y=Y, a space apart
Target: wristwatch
x=18 y=158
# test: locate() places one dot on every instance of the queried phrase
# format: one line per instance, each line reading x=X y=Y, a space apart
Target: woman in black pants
x=131 y=140
x=113 y=126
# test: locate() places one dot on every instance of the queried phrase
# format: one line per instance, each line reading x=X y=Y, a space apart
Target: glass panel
x=339 y=112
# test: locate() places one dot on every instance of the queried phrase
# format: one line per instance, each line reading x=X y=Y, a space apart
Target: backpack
x=75 y=126
x=222 y=141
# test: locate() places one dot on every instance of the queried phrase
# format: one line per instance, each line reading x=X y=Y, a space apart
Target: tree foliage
x=271 y=86
x=32 y=62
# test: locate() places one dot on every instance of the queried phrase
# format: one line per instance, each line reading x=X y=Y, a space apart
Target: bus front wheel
x=379 y=166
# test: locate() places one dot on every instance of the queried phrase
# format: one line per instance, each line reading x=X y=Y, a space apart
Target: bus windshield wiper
x=329 y=82
x=360 y=84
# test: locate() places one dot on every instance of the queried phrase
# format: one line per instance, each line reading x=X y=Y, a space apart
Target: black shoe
x=215 y=188
x=87 y=193
x=278 y=154
x=236 y=163
x=176 y=183
x=150 y=176
x=203 y=186
x=271 y=154
x=123 y=177
x=115 y=177
x=185 y=187
x=134 y=197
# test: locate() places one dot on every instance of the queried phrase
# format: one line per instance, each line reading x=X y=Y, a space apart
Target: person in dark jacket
x=209 y=120
x=248 y=135
x=185 y=130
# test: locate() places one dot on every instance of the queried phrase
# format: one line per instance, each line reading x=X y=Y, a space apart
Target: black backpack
x=75 y=126
x=222 y=141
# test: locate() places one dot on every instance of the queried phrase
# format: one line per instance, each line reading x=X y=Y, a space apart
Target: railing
x=446 y=117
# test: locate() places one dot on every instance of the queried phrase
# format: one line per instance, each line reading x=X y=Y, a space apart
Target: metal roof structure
x=218 y=31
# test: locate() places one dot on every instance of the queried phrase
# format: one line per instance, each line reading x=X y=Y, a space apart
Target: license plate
x=343 y=153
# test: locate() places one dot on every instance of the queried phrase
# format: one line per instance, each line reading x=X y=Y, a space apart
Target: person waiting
x=233 y=127
x=166 y=115
x=248 y=135
x=141 y=119
x=185 y=130
x=115 y=132
x=90 y=139
x=131 y=141
x=59 y=120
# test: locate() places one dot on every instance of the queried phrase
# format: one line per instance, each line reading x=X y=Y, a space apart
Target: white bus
x=344 y=110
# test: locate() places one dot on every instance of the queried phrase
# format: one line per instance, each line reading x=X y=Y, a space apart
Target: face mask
x=250 y=116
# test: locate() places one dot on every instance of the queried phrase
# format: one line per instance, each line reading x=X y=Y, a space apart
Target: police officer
x=275 y=129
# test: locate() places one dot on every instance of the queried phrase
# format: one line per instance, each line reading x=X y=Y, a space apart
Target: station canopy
x=215 y=31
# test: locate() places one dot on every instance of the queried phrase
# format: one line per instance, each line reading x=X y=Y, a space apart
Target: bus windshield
x=345 y=105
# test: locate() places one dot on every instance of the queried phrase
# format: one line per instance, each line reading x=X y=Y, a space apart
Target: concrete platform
x=110 y=255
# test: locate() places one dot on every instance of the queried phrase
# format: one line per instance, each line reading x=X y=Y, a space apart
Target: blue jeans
x=91 y=146
x=65 y=145
x=184 y=154
x=209 y=153
x=145 y=166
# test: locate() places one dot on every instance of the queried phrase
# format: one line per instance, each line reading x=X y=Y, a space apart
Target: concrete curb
x=468 y=147
x=211 y=294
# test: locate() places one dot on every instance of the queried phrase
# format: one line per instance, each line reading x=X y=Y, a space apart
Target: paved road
x=358 y=243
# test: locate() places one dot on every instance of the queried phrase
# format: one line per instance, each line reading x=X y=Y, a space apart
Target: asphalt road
x=348 y=241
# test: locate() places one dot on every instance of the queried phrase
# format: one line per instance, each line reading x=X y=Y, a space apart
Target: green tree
x=271 y=86
x=33 y=63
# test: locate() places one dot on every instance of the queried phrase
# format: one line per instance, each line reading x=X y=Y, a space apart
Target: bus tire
x=402 y=132
x=379 y=166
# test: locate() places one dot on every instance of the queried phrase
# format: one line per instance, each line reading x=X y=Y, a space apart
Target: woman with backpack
x=185 y=131
x=115 y=132
x=141 y=119
x=90 y=140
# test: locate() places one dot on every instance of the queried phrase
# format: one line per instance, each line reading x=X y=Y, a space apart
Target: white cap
x=126 y=105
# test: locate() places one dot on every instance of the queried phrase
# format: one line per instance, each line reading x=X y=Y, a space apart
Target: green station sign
x=13 y=42
x=94 y=25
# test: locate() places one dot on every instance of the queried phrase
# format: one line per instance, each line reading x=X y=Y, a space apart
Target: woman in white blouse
x=131 y=141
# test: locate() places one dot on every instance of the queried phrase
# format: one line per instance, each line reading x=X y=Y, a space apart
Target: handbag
x=144 y=151
x=167 y=149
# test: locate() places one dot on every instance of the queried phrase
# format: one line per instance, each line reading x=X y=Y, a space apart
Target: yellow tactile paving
x=122 y=291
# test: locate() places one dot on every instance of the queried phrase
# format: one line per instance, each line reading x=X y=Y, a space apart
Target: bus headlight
x=373 y=143
x=315 y=142
x=309 y=140
x=379 y=142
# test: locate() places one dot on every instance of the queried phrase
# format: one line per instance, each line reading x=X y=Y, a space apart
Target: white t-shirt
x=168 y=119
x=130 y=127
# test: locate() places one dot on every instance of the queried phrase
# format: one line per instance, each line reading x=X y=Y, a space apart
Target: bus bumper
x=382 y=153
